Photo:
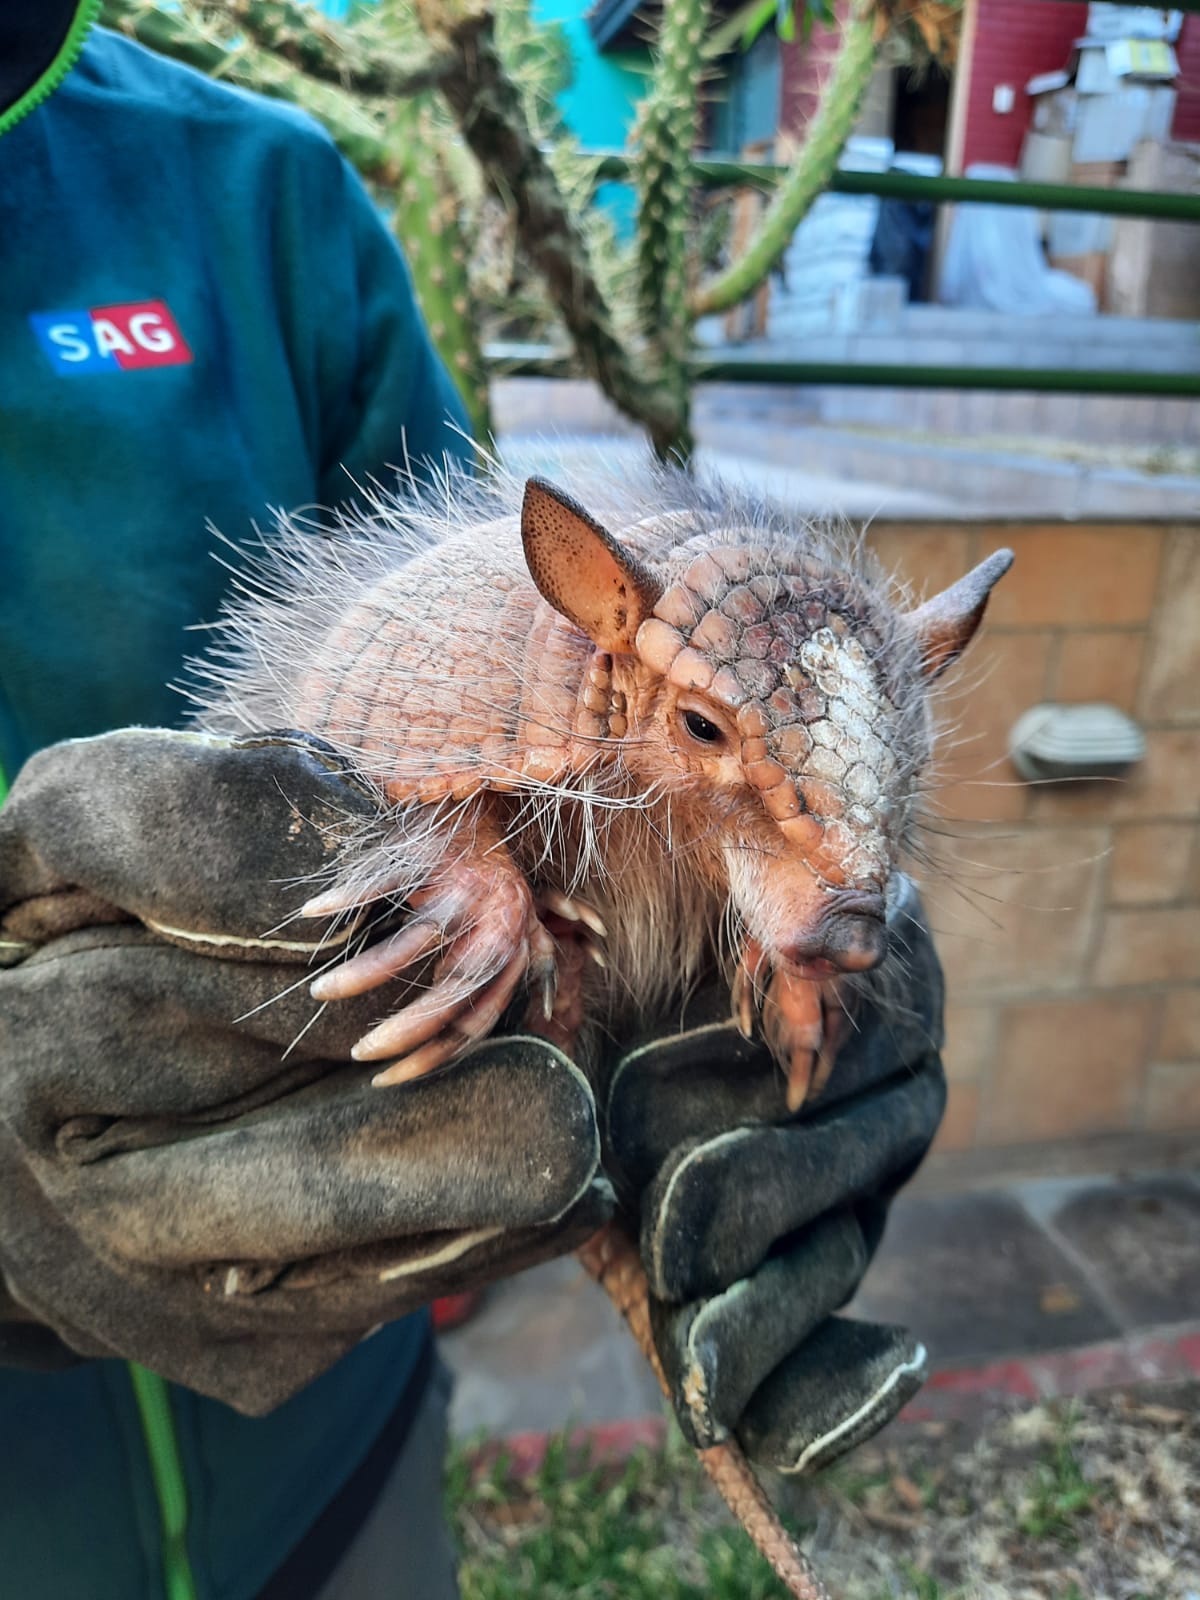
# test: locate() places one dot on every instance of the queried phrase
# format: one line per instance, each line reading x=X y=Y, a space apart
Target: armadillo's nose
x=852 y=936
x=855 y=941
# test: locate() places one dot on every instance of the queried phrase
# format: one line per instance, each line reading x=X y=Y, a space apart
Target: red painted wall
x=1187 y=107
x=804 y=67
x=1017 y=39
x=1014 y=40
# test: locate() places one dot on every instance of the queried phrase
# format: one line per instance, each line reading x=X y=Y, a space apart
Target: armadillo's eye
x=701 y=728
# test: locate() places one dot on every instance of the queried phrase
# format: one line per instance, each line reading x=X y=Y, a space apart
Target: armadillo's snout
x=852 y=936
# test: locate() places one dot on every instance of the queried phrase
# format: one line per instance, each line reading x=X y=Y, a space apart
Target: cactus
x=427 y=225
x=338 y=55
x=665 y=136
x=488 y=106
x=392 y=84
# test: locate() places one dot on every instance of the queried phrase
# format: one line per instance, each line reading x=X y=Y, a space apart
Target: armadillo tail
x=741 y=1491
x=611 y=1258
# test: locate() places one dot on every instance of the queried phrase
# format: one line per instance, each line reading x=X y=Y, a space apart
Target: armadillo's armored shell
x=794 y=652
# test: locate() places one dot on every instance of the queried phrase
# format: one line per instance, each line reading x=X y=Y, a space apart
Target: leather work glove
x=192 y=1173
x=755 y=1226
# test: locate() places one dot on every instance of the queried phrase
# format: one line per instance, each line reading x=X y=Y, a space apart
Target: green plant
x=1059 y=1492
x=577 y=1529
x=404 y=86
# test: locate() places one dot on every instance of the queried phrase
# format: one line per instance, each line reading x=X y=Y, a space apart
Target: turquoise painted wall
x=601 y=101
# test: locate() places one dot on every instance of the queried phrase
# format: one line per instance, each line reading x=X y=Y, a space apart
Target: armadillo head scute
x=787 y=695
x=796 y=685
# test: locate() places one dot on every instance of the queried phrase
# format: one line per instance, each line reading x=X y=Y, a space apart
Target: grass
x=1099 y=1500
x=1059 y=1493
x=574 y=1530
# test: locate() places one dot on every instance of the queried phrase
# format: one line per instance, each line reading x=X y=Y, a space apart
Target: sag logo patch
x=111 y=338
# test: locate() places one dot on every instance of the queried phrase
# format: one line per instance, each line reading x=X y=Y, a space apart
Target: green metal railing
x=541 y=361
x=1159 y=204
x=545 y=362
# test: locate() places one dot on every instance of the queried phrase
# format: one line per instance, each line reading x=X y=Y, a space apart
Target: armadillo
x=676 y=729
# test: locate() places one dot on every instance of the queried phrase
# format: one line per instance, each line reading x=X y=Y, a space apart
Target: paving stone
x=547 y=1350
x=975 y=1277
x=1141 y=1240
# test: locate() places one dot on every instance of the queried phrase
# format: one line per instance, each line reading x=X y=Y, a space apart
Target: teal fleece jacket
x=201 y=317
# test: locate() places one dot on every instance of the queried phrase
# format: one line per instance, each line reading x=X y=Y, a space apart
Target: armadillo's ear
x=581 y=569
x=946 y=623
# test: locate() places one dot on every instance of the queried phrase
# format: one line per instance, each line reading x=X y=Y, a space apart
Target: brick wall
x=1069 y=918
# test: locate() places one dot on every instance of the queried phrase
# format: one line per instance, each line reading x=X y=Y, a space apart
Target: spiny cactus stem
x=815 y=165
x=322 y=50
x=488 y=107
x=428 y=227
x=178 y=35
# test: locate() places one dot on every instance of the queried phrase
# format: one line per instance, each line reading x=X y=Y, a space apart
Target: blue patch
x=69 y=339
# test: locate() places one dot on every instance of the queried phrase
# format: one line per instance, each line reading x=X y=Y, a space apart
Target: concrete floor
x=1009 y=1274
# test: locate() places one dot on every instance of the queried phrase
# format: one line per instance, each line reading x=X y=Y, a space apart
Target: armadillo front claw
x=745 y=996
x=571 y=909
x=479 y=919
x=798 y=1018
x=443 y=1027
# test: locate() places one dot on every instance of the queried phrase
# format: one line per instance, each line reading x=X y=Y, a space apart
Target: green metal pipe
x=614 y=167
x=532 y=362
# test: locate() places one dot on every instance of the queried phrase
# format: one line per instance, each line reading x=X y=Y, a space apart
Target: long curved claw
x=800 y=1019
x=457 y=1026
x=834 y=1019
x=561 y=1021
x=572 y=910
x=379 y=962
x=794 y=1028
x=543 y=968
x=350 y=896
x=471 y=964
x=744 y=995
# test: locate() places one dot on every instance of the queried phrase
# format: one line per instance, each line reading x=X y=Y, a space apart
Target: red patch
x=143 y=334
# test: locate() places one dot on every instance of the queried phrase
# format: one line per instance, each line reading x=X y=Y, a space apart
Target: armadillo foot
x=480 y=921
x=556 y=1010
x=800 y=1021
x=455 y=1023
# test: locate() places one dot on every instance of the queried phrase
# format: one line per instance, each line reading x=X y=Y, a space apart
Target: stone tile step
x=927 y=321
x=967 y=476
